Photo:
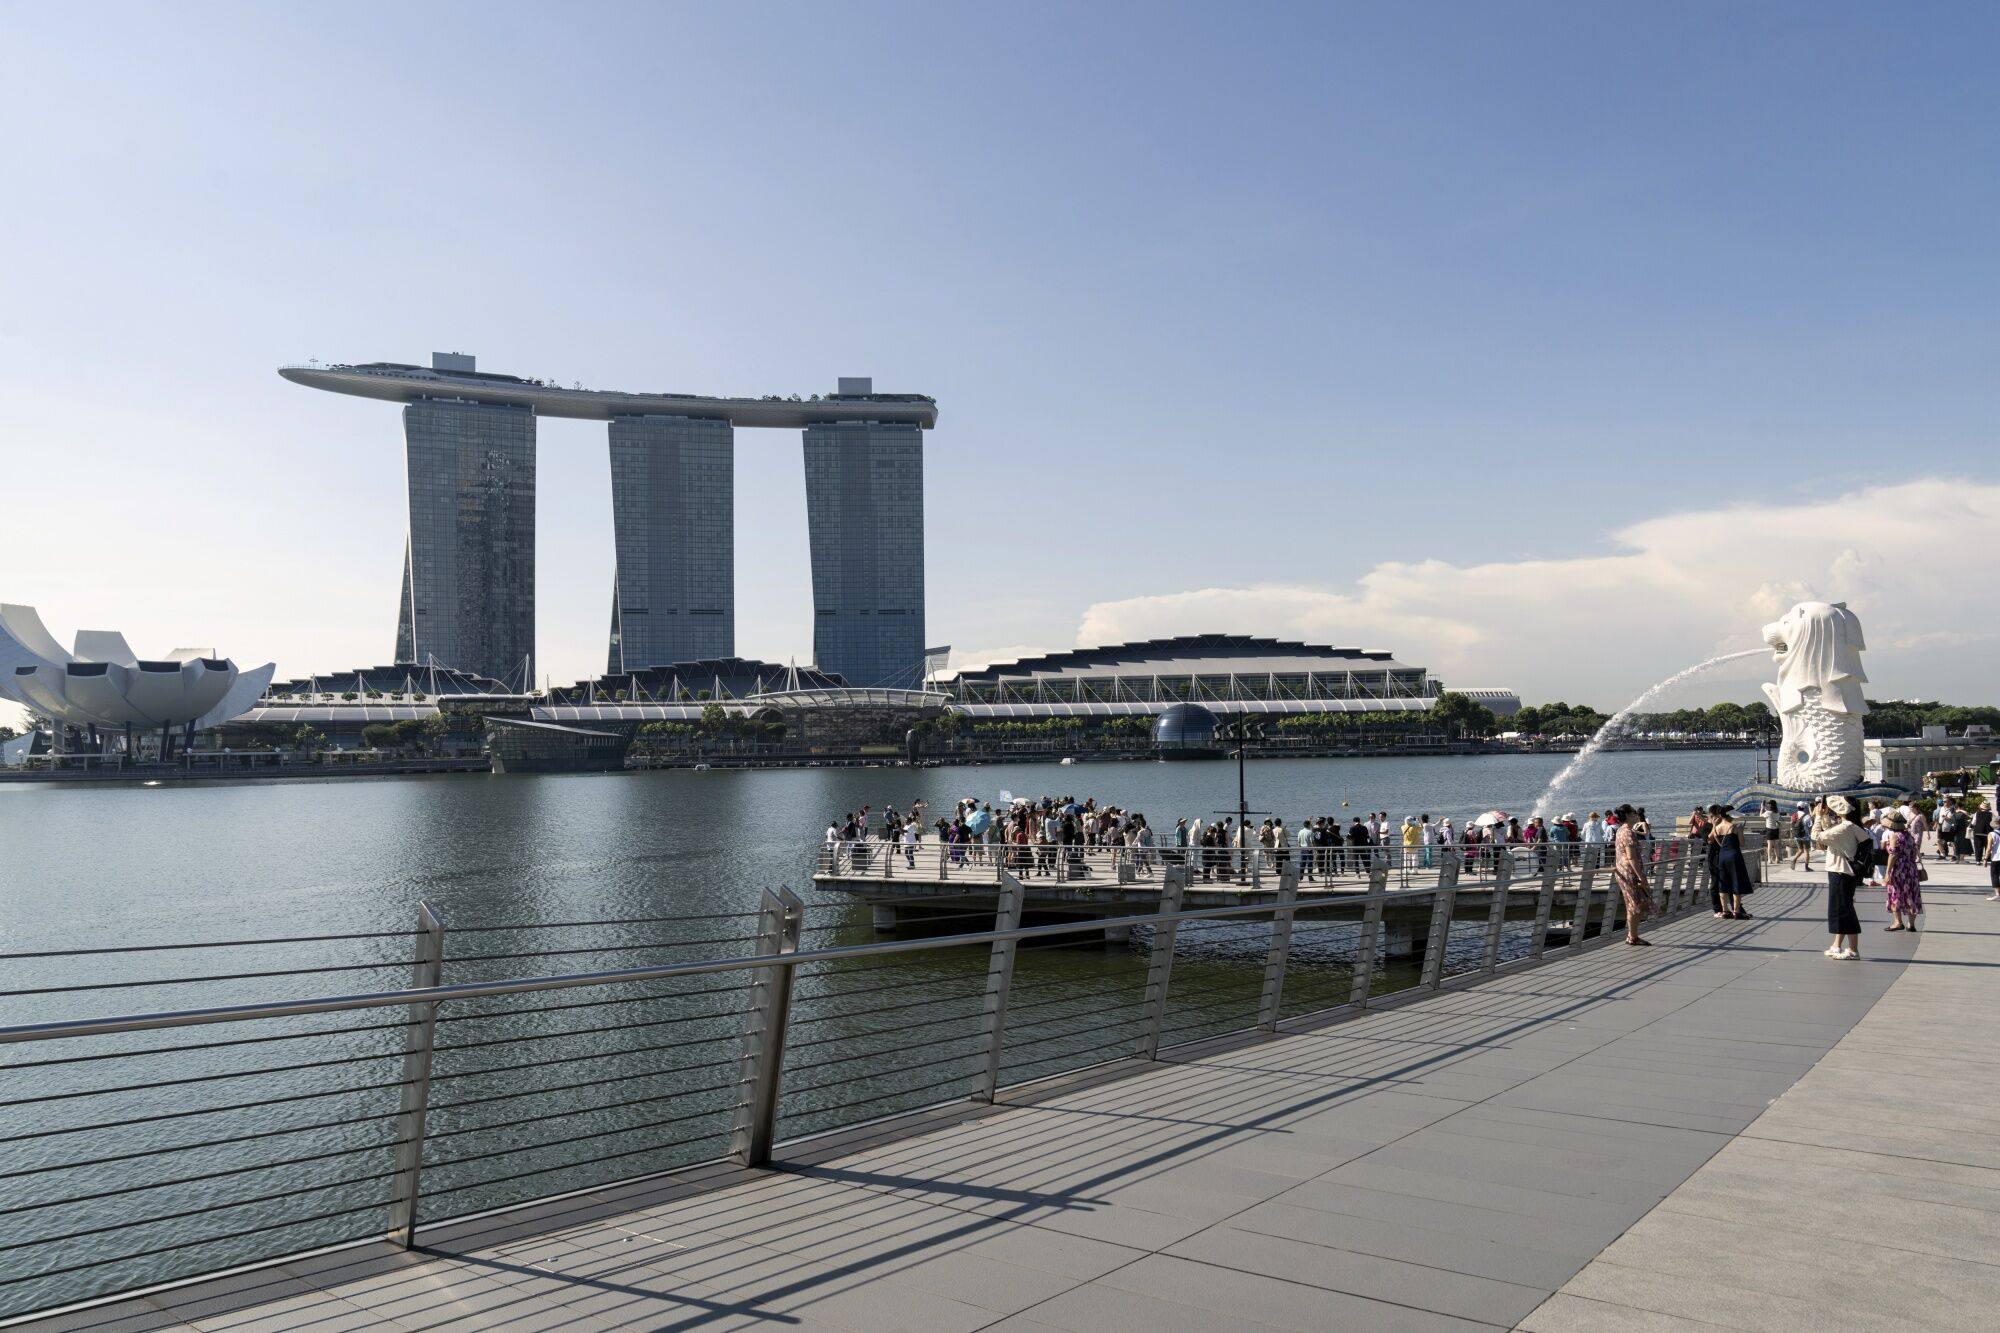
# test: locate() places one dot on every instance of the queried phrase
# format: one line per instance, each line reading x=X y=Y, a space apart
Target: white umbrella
x=1490 y=818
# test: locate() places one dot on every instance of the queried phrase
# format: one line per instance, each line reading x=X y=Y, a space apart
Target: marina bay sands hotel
x=468 y=595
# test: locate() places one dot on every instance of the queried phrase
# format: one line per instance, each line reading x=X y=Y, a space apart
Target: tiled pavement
x=1456 y=1162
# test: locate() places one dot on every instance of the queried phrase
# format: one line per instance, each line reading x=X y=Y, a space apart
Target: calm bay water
x=83 y=866
x=201 y=1148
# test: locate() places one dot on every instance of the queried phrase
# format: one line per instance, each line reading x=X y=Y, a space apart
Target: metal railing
x=1099 y=864
x=127 y=1158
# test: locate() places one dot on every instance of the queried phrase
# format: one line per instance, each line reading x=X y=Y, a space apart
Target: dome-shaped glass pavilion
x=1185 y=731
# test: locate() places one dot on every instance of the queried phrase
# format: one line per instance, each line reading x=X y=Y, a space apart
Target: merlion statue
x=1817 y=646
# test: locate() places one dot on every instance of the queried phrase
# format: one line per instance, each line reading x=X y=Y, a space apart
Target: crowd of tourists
x=1030 y=833
x=1881 y=844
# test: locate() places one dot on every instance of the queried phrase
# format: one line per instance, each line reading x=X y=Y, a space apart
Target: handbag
x=1923 y=874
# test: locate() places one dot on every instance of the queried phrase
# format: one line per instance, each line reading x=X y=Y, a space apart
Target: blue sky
x=1300 y=319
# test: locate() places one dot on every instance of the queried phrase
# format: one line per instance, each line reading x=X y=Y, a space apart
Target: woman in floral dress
x=1629 y=861
x=1905 y=896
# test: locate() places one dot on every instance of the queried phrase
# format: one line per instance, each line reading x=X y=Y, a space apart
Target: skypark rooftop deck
x=396 y=382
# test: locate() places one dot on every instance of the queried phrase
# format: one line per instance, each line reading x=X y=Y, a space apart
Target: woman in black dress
x=1732 y=873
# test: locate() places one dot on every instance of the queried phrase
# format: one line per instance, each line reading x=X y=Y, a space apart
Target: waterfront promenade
x=1726 y=1129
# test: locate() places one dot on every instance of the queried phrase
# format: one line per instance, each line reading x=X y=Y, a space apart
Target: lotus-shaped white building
x=102 y=683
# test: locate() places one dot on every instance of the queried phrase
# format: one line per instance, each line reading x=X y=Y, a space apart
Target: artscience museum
x=100 y=688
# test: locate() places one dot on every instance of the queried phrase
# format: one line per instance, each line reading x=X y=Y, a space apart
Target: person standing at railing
x=1358 y=843
x=1560 y=833
x=1629 y=855
x=1592 y=838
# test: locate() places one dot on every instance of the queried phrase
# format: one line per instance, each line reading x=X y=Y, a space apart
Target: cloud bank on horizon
x=1670 y=591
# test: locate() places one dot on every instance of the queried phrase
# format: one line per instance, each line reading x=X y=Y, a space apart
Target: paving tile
x=1564 y=1313
x=1396 y=1281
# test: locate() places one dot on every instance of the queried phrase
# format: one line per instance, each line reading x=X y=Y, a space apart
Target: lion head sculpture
x=1817 y=646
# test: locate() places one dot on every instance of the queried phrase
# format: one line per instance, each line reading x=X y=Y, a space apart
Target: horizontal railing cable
x=880 y=1097
x=207 y=1110
x=791 y=1068
x=190 y=981
x=11 y=1066
x=208 y=944
x=203 y=1178
x=199 y=1145
x=575 y=1111
x=202 y=1211
x=925 y=1003
x=735 y=988
x=512 y=1093
x=597 y=1055
x=587 y=1161
x=892 y=1072
x=595 y=948
x=588 y=1032
x=934 y=979
x=571 y=981
x=608 y=921
x=199 y=1240
x=198 y=1078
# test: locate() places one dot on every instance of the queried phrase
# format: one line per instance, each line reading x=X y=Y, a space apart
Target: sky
x=1549 y=346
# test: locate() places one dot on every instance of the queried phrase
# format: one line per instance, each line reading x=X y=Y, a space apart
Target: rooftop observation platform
x=397 y=382
x=1725 y=1129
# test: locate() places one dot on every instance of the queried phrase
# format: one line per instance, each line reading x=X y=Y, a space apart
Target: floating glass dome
x=1185 y=731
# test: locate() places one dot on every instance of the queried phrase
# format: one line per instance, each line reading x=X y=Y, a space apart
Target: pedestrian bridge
x=1724 y=1128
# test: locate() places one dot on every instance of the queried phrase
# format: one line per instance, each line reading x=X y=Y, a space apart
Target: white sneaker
x=1851 y=955
x=1834 y=952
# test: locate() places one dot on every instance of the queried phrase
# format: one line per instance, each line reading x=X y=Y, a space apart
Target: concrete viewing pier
x=1727 y=1129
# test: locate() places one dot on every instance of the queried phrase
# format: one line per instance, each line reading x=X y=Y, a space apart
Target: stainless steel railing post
x=419 y=1044
x=1580 y=920
x=1444 y=901
x=1496 y=916
x=999 y=980
x=1677 y=879
x=1545 y=899
x=1280 y=953
x=781 y=917
x=1160 y=971
x=1370 y=935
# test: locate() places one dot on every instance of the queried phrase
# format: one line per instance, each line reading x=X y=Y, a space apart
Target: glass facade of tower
x=673 y=498
x=468 y=598
x=865 y=521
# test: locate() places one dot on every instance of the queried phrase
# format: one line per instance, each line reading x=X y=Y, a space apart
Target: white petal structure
x=104 y=684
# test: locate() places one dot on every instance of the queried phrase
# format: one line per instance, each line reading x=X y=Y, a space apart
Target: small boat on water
x=1066 y=761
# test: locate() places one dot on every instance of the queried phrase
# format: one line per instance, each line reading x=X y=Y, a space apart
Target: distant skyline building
x=865 y=523
x=468 y=595
x=469 y=563
x=673 y=518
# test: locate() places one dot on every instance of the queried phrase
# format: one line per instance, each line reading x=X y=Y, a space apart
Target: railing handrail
x=471 y=990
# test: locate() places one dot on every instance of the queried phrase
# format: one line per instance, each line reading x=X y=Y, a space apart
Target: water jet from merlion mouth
x=1617 y=720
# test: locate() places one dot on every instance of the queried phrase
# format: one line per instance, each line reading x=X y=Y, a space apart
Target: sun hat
x=1840 y=805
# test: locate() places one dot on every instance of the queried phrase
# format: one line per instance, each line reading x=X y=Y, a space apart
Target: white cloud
x=1914 y=560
